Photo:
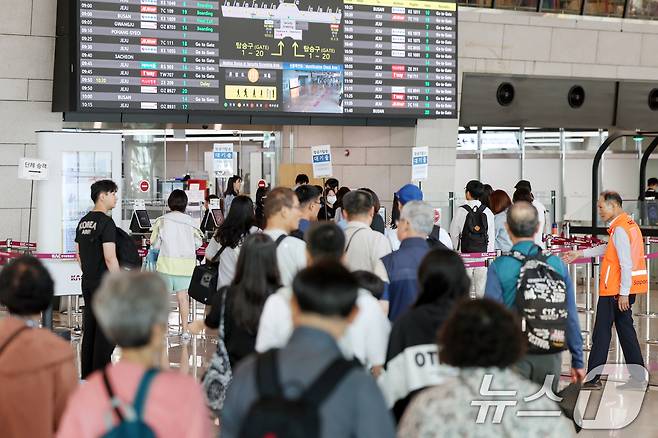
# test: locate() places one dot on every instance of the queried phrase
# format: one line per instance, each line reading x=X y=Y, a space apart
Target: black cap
x=523 y=184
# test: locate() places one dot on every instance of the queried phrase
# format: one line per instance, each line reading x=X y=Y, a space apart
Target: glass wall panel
x=476 y=3
x=607 y=8
x=530 y=5
x=645 y=9
x=562 y=6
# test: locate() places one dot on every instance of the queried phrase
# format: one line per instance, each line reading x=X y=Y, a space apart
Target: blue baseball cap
x=408 y=193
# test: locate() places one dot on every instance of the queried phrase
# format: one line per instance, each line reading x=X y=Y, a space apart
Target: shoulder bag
x=203 y=284
x=217 y=378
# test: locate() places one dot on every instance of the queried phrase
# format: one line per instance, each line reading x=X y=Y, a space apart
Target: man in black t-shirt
x=96 y=243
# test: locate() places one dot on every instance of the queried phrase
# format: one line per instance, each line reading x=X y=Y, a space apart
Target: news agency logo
x=621 y=399
x=614 y=407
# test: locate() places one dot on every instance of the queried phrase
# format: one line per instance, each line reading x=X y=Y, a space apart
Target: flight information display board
x=386 y=58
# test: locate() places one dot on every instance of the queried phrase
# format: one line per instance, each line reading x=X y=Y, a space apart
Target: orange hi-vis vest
x=610 y=281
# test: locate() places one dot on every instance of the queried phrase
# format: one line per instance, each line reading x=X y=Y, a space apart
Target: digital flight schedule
x=400 y=57
x=390 y=58
x=149 y=55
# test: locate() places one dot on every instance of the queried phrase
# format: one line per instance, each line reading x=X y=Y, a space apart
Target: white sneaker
x=185 y=337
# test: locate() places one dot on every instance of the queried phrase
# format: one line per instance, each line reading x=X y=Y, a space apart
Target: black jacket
x=239 y=341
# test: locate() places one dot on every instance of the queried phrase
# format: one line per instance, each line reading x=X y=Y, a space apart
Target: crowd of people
x=331 y=323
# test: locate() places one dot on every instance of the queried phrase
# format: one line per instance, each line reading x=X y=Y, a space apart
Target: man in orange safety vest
x=623 y=276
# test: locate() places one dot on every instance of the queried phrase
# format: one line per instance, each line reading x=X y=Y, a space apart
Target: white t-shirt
x=392 y=236
x=365 y=339
x=459 y=219
x=290 y=254
x=541 y=212
x=227 y=261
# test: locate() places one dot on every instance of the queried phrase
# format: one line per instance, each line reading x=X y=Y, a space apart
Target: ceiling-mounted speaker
x=538 y=101
x=637 y=106
x=653 y=99
x=505 y=94
x=576 y=96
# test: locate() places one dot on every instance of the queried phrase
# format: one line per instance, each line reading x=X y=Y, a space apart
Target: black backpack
x=272 y=415
x=434 y=241
x=127 y=253
x=474 y=236
x=541 y=300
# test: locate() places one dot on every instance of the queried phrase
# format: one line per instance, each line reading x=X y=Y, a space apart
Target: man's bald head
x=522 y=220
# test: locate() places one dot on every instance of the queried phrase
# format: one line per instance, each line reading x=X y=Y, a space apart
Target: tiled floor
x=645 y=424
x=193 y=357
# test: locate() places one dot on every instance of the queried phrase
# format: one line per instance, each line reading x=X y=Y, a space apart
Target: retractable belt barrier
x=556 y=245
x=560 y=245
x=10 y=243
x=16 y=249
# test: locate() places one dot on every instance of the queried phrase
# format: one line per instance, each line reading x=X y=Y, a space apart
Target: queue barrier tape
x=558 y=240
x=479 y=255
x=55 y=256
x=17 y=244
x=468 y=262
x=46 y=256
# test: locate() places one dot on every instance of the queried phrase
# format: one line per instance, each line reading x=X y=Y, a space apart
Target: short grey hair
x=129 y=304
x=612 y=197
x=420 y=216
x=522 y=219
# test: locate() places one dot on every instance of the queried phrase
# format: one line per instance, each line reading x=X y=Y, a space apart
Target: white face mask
x=331 y=200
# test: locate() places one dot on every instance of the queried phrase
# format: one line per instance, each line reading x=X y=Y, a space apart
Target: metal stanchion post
x=596 y=272
x=69 y=310
x=574 y=271
x=194 y=357
x=77 y=329
x=649 y=314
x=47 y=318
x=588 y=307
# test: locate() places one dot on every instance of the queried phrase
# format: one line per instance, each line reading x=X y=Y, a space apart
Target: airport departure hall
x=328 y=218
